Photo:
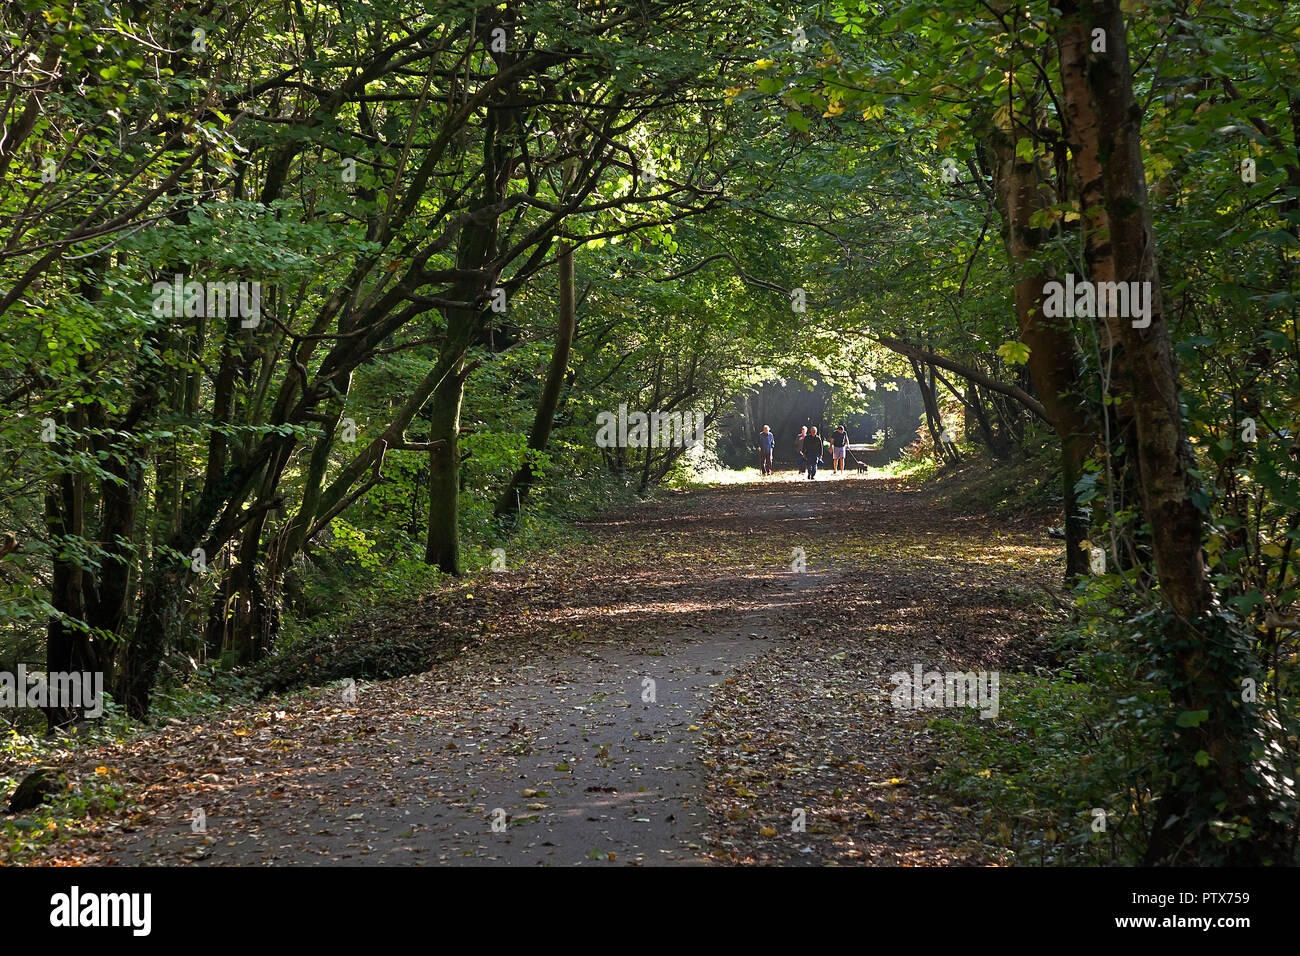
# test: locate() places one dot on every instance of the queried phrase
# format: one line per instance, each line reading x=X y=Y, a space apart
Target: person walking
x=839 y=445
x=798 y=447
x=812 y=452
x=766 y=442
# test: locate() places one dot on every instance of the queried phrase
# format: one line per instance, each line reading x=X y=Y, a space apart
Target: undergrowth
x=1067 y=772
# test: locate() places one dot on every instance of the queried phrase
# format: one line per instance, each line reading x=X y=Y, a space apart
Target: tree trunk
x=442 y=545
x=975 y=419
x=1053 y=366
x=157 y=628
x=1084 y=136
x=508 y=505
x=933 y=420
x=108 y=597
x=66 y=648
x=1216 y=784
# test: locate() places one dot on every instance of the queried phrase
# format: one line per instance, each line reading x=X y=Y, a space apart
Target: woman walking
x=839 y=445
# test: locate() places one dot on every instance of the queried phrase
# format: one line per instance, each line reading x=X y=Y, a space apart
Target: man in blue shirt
x=766 y=441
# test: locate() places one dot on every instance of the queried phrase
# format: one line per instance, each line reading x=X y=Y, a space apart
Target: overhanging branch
x=965 y=371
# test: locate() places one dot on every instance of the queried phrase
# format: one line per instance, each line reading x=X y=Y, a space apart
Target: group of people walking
x=810 y=447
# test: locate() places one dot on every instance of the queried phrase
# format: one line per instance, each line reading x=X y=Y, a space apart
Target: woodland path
x=771 y=694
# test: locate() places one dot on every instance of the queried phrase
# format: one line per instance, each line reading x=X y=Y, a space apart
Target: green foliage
x=1067 y=742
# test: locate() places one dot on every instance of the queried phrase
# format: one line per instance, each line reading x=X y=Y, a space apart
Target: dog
x=862 y=469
